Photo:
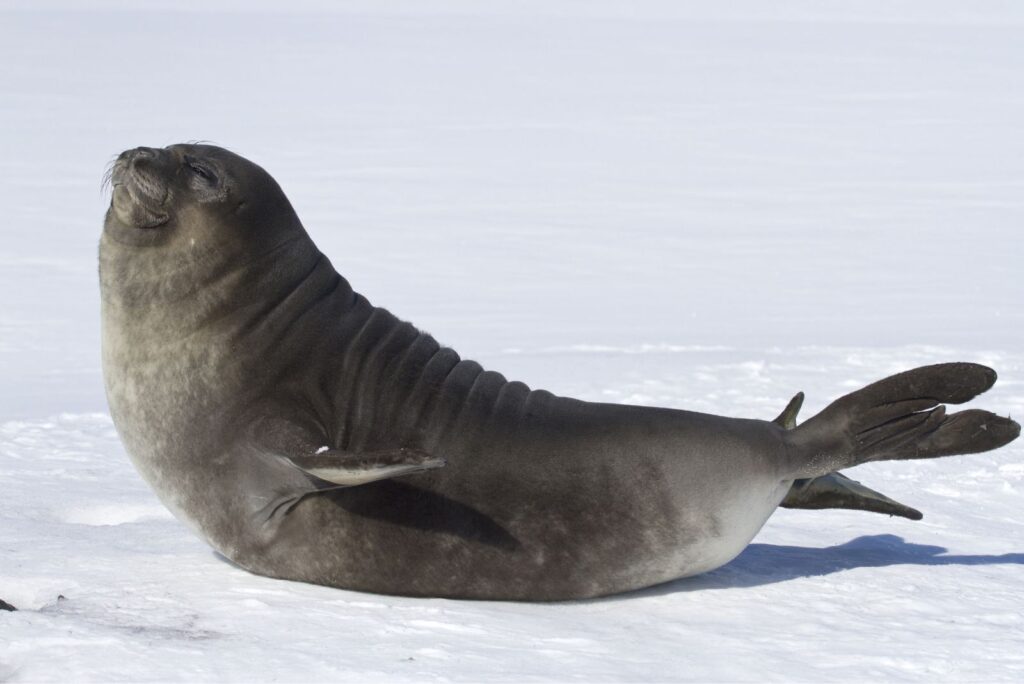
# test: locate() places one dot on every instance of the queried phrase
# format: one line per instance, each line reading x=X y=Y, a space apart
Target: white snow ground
x=694 y=206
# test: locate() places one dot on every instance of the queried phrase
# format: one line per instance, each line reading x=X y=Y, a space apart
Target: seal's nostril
x=138 y=153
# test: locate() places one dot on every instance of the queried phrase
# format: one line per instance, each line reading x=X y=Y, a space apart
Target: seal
x=309 y=435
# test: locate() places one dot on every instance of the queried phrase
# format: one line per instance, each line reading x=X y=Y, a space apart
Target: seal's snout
x=129 y=159
x=141 y=186
x=147 y=160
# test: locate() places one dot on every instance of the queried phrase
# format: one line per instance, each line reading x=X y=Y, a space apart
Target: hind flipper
x=787 y=419
x=965 y=432
x=901 y=417
x=838 y=491
x=835 y=490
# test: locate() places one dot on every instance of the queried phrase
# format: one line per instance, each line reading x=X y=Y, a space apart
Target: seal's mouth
x=140 y=192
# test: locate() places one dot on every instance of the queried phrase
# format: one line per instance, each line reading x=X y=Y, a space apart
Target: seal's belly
x=717 y=539
x=427 y=545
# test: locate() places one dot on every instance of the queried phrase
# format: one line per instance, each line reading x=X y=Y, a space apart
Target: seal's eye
x=200 y=170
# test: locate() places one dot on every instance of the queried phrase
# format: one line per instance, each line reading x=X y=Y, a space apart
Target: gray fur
x=234 y=353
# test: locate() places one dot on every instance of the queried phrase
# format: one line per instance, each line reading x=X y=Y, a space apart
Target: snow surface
x=706 y=206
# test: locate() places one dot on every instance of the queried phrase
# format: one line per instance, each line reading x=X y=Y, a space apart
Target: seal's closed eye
x=200 y=170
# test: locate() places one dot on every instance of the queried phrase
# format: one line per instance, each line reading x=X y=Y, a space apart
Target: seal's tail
x=902 y=417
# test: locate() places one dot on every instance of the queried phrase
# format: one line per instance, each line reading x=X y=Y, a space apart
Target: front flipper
x=838 y=491
x=348 y=469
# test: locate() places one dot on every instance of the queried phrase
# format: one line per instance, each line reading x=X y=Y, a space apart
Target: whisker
x=108 y=175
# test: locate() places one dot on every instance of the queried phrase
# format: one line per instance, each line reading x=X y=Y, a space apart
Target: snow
x=706 y=206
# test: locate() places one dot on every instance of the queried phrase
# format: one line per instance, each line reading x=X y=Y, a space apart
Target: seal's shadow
x=762 y=564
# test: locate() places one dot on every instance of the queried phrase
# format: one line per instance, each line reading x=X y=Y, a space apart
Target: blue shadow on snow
x=761 y=564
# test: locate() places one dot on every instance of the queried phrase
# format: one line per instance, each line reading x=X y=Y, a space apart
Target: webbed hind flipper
x=835 y=490
x=348 y=469
x=838 y=491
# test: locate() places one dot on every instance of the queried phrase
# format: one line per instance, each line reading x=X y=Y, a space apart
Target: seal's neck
x=174 y=293
x=178 y=351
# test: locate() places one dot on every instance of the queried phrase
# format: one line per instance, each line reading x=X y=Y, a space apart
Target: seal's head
x=185 y=216
x=191 y=196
